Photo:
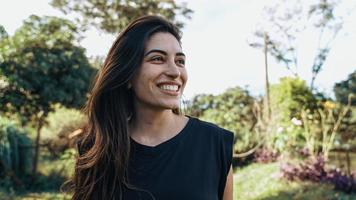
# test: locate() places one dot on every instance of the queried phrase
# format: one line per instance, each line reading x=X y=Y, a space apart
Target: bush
x=15 y=154
x=347 y=137
x=288 y=98
x=265 y=155
x=232 y=110
x=58 y=134
x=314 y=169
x=346 y=87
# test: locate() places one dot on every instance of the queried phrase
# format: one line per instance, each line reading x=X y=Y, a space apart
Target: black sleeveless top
x=193 y=165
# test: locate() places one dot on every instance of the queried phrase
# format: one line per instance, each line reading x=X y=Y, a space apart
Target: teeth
x=169 y=87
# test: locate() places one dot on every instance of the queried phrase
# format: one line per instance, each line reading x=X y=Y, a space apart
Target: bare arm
x=228 y=192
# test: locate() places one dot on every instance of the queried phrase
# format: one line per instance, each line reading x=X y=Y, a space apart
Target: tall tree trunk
x=37 y=146
x=267 y=97
x=312 y=81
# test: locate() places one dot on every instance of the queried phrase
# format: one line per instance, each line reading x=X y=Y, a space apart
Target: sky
x=215 y=42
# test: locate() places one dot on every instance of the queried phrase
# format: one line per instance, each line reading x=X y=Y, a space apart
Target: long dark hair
x=104 y=151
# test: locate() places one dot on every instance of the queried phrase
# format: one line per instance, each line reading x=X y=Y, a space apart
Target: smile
x=169 y=87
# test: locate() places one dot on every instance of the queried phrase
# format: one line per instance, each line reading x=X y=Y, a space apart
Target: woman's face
x=161 y=78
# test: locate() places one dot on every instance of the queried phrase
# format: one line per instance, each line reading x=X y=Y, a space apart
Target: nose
x=173 y=70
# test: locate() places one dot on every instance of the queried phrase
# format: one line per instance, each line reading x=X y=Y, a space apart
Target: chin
x=171 y=105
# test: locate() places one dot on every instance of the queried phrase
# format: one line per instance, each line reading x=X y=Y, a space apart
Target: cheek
x=142 y=83
x=184 y=76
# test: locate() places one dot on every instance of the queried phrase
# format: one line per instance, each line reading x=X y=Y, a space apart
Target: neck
x=152 y=123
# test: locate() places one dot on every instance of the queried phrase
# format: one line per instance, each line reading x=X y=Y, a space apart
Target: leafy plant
x=327 y=121
x=264 y=155
x=60 y=133
x=288 y=98
x=314 y=169
x=343 y=88
x=233 y=110
x=42 y=64
x=15 y=154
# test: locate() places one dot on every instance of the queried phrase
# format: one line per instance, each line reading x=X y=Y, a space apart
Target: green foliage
x=96 y=61
x=54 y=172
x=3 y=33
x=113 y=16
x=289 y=97
x=346 y=87
x=232 y=110
x=61 y=124
x=68 y=162
x=326 y=127
x=15 y=153
x=347 y=137
x=61 y=121
x=40 y=65
x=288 y=137
x=201 y=103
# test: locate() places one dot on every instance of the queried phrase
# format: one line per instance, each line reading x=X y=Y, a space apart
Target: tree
x=285 y=23
x=342 y=91
x=344 y=88
x=15 y=159
x=200 y=103
x=41 y=65
x=3 y=33
x=232 y=110
x=289 y=98
x=113 y=16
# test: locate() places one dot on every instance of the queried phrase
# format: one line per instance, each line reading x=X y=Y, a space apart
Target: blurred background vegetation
x=294 y=142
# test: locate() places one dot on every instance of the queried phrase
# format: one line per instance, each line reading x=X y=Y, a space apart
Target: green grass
x=263 y=182
x=34 y=196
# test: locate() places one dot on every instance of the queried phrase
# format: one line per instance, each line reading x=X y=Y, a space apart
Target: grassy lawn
x=261 y=181
x=253 y=182
x=35 y=196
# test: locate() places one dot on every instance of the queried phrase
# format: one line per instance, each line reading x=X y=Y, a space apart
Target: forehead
x=163 y=41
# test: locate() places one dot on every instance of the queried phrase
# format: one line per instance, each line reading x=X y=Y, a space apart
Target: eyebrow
x=162 y=52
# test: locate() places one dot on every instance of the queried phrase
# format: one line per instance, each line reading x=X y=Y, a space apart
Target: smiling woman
x=137 y=143
x=161 y=78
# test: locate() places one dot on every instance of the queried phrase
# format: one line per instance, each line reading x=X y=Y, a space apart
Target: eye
x=157 y=58
x=181 y=61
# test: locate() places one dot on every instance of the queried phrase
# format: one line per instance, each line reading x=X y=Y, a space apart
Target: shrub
x=58 y=133
x=15 y=154
x=288 y=98
x=314 y=169
x=232 y=110
x=265 y=155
